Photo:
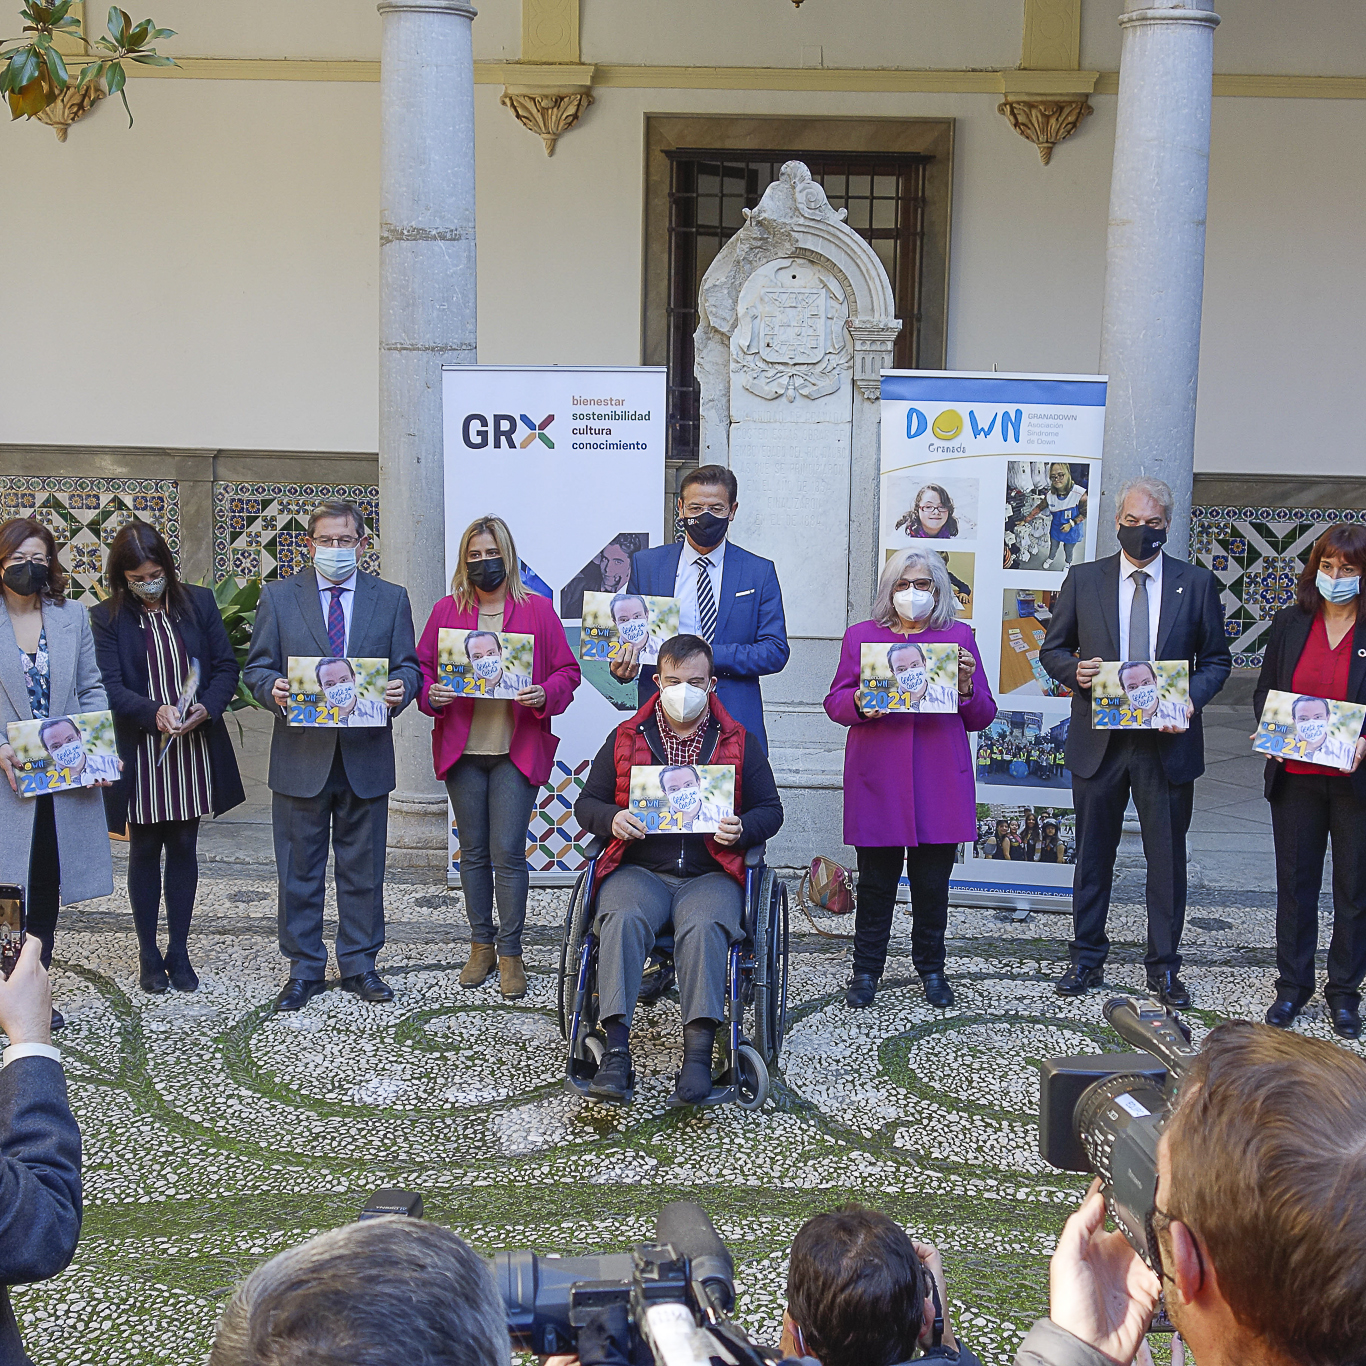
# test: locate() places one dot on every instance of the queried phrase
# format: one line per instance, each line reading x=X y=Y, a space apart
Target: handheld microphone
x=684 y=1225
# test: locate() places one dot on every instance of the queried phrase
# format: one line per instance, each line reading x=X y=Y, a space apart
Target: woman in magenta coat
x=909 y=793
x=494 y=753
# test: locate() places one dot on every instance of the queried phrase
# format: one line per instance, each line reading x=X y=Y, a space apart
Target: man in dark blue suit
x=726 y=595
x=40 y=1146
x=1136 y=605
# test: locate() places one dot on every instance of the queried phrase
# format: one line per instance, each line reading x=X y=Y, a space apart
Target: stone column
x=1155 y=252
x=426 y=319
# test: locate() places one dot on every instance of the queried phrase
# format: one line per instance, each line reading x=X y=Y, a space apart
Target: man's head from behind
x=855 y=1288
x=368 y=1294
x=1263 y=1177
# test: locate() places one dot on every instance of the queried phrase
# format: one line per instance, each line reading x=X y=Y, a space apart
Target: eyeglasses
x=1157 y=1220
x=27 y=559
x=924 y=585
x=336 y=542
x=697 y=509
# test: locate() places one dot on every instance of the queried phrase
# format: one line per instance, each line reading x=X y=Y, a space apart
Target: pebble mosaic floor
x=217 y=1133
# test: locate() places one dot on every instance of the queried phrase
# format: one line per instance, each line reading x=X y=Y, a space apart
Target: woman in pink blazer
x=909 y=792
x=494 y=753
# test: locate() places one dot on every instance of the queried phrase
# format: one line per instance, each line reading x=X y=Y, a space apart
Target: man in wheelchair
x=695 y=882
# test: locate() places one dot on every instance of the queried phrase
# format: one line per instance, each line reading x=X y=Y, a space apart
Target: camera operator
x=372 y=1293
x=40 y=1179
x=1260 y=1219
x=860 y=1292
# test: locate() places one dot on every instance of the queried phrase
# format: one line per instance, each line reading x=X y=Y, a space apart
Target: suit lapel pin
x=1179 y=589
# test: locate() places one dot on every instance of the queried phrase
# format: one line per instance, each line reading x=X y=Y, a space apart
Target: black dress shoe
x=938 y=992
x=181 y=974
x=369 y=986
x=1283 y=1010
x=298 y=992
x=861 y=990
x=1077 y=980
x=58 y=1020
x=1347 y=1022
x=1170 y=990
x=152 y=974
x=615 y=1080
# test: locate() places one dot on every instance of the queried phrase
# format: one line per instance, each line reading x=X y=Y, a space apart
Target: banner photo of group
x=572 y=458
x=609 y=619
x=484 y=664
x=1314 y=730
x=907 y=677
x=682 y=799
x=329 y=691
x=1141 y=694
x=995 y=472
x=1010 y=833
x=59 y=753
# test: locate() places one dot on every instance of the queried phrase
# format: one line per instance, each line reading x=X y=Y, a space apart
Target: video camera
x=672 y=1297
x=1105 y=1113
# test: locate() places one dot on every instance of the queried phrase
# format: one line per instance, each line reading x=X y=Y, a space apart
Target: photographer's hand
x=1099 y=1289
x=26 y=998
x=934 y=1264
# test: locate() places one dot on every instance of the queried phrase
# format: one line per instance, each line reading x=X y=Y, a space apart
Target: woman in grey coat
x=55 y=846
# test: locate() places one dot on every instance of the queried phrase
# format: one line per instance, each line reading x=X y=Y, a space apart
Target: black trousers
x=1132 y=763
x=44 y=877
x=1306 y=811
x=928 y=867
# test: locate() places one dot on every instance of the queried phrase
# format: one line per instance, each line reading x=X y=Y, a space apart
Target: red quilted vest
x=632 y=748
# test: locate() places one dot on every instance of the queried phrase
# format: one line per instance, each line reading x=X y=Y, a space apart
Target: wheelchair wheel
x=571 y=945
x=751 y=1079
x=770 y=953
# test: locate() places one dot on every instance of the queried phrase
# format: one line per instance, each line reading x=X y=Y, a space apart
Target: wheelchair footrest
x=719 y=1095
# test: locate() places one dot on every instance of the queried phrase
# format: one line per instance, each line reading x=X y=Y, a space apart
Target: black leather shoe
x=58 y=1020
x=369 y=986
x=1077 y=980
x=152 y=974
x=1282 y=1013
x=181 y=974
x=861 y=990
x=1347 y=1022
x=615 y=1080
x=938 y=992
x=1170 y=990
x=298 y=992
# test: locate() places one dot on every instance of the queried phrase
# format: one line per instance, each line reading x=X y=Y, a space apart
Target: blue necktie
x=336 y=623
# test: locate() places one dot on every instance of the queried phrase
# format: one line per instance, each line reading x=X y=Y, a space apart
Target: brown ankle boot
x=481 y=965
x=511 y=978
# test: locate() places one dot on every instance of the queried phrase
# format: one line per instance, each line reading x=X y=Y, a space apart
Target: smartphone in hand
x=13 y=926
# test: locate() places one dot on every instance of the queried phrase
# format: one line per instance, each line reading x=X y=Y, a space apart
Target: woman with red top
x=494 y=753
x=1318 y=648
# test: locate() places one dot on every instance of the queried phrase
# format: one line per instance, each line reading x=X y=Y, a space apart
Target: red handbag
x=826 y=886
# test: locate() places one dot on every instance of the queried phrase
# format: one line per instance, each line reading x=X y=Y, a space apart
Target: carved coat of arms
x=790 y=337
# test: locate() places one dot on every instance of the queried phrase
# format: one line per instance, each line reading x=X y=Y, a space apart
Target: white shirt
x=1127 y=569
x=685 y=585
x=31 y=1050
x=348 y=598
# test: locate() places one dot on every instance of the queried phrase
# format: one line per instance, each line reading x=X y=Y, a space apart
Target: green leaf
x=59 y=10
x=123 y=95
x=57 y=68
x=163 y=33
x=151 y=59
x=27 y=71
x=118 y=25
x=139 y=35
x=115 y=77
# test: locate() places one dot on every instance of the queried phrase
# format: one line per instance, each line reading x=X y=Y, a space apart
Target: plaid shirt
x=679 y=749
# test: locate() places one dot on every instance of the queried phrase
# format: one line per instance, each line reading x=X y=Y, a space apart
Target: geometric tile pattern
x=84 y=516
x=1257 y=554
x=259 y=529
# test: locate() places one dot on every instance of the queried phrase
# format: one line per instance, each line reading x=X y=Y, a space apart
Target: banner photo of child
x=1026 y=834
x=1314 y=730
x=484 y=664
x=63 y=753
x=1141 y=694
x=682 y=799
x=330 y=691
x=610 y=618
x=1045 y=525
x=909 y=677
x=922 y=504
x=1025 y=614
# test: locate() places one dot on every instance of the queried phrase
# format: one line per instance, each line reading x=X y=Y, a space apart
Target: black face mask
x=486 y=575
x=27 y=578
x=1141 y=542
x=707 y=531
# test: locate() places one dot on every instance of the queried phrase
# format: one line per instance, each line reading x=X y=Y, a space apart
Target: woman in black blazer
x=1318 y=647
x=151 y=633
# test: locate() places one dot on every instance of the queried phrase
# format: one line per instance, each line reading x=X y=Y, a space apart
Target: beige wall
x=208 y=279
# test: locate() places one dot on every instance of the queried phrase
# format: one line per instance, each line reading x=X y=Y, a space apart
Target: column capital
x=1153 y=14
x=458 y=9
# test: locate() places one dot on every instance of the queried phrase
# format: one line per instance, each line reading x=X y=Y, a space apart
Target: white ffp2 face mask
x=911 y=680
x=685 y=799
x=487 y=667
x=68 y=755
x=913 y=604
x=1312 y=729
x=683 y=702
x=634 y=632
x=340 y=694
x=1143 y=697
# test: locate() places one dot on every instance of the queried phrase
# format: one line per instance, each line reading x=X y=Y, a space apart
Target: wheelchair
x=756 y=985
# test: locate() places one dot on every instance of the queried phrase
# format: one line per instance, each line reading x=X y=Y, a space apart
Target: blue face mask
x=337 y=563
x=1337 y=590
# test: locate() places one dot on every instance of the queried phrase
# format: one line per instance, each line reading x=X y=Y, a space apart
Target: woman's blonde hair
x=1056 y=464
x=945 y=604
x=462 y=590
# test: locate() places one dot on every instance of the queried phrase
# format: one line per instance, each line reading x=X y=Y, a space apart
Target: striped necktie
x=336 y=623
x=706 y=602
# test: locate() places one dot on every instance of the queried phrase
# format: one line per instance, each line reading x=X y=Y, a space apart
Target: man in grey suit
x=331 y=782
x=40 y=1146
